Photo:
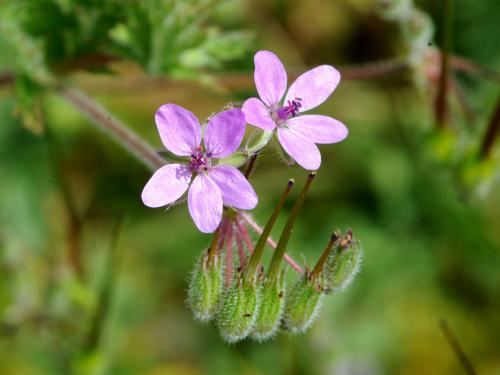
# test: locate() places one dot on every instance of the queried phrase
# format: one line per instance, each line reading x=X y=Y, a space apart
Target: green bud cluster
x=259 y=305
x=251 y=301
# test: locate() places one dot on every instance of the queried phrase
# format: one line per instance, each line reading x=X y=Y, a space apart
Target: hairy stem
x=119 y=131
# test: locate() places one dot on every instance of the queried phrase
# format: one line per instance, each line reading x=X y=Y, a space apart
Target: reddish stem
x=245 y=236
x=229 y=252
x=241 y=251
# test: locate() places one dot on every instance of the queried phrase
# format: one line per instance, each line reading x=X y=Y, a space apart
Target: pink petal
x=318 y=129
x=224 y=132
x=270 y=77
x=314 y=86
x=257 y=114
x=305 y=152
x=235 y=189
x=166 y=185
x=205 y=203
x=179 y=129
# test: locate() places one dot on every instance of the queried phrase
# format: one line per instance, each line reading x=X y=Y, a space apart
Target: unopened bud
x=238 y=312
x=272 y=303
x=302 y=305
x=205 y=287
x=343 y=263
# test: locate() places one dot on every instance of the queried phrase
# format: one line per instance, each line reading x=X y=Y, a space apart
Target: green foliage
x=164 y=36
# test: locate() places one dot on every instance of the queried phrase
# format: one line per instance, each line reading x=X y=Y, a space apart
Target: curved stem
x=119 y=131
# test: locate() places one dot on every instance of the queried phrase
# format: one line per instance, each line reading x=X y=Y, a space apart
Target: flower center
x=200 y=161
x=289 y=110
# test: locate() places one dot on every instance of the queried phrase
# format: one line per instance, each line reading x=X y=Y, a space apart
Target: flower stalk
x=285 y=235
x=250 y=271
x=318 y=269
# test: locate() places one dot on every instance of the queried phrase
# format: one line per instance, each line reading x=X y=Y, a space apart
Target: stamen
x=290 y=110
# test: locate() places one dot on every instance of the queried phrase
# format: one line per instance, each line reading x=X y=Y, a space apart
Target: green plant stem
x=324 y=256
x=119 y=131
x=259 y=248
x=285 y=235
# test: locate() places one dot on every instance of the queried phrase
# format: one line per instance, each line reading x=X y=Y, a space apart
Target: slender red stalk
x=229 y=252
x=245 y=236
x=241 y=251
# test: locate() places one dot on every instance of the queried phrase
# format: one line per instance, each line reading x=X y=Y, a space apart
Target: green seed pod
x=302 y=305
x=272 y=304
x=236 y=317
x=343 y=263
x=205 y=287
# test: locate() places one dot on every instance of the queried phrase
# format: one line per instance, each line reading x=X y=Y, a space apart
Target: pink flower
x=298 y=135
x=213 y=185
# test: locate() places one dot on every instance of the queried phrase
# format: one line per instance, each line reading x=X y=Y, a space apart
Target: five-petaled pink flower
x=298 y=135
x=213 y=185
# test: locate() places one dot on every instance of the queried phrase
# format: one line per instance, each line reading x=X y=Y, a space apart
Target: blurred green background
x=93 y=282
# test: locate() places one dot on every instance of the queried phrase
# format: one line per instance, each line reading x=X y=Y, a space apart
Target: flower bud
x=205 y=287
x=302 y=304
x=343 y=263
x=270 y=311
x=238 y=312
